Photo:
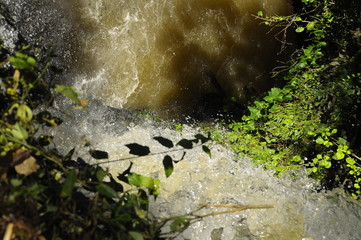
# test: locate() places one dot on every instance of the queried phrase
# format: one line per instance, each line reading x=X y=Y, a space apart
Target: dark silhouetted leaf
x=106 y=191
x=206 y=150
x=184 y=153
x=165 y=142
x=67 y=189
x=123 y=176
x=185 y=143
x=202 y=138
x=69 y=155
x=46 y=118
x=115 y=185
x=143 y=199
x=137 y=149
x=81 y=162
x=97 y=154
x=71 y=164
x=45 y=140
x=168 y=165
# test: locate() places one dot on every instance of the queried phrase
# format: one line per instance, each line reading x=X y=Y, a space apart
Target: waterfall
x=166 y=57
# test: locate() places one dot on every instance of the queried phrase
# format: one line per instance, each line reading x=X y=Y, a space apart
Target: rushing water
x=300 y=212
x=165 y=56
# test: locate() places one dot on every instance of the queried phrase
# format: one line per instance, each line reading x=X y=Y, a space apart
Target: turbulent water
x=164 y=56
x=167 y=56
x=300 y=212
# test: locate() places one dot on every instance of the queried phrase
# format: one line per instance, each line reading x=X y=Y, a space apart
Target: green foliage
x=22 y=61
x=47 y=195
x=307 y=119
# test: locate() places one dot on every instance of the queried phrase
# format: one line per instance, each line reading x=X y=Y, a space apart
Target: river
x=170 y=58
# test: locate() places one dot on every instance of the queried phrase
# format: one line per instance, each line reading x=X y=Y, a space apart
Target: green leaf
x=22 y=61
x=138 y=180
x=19 y=132
x=179 y=225
x=101 y=174
x=300 y=29
x=296 y=158
x=275 y=94
x=261 y=105
x=255 y=113
x=97 y=154
x=168 y=165
x=51 y=208
x=141 y=213
x=164 y=141
x=24 y=113
x=326 y=164
x=136 y=235
x=310 y=26
x=106 y=191
x=342 y=141
x=260 y=14
x=156 y=190
x=69 y=92
x=322 y=44
x=250 y=125
x=350 y=161
x=18 y=63
x=339 y=155
x=31 y=61
x=320 y=140
x=137 y=149
x=35 y=190
x=15 y=182
x=68 y=185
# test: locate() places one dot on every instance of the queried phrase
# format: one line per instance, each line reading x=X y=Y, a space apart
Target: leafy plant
x=46 y=195
x=307 y=119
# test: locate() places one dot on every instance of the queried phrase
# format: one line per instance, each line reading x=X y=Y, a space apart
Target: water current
x=167 y=57
x=164 y=56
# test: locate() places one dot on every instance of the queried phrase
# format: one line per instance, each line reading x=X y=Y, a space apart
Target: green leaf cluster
x=45 y=195
x=312 y=118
